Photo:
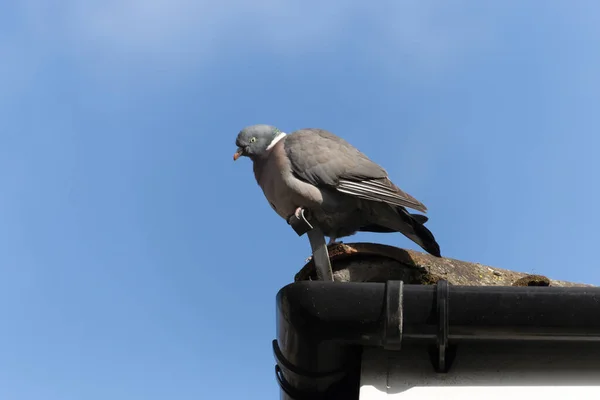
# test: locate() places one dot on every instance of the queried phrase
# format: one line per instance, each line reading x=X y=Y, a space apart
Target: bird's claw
x=333 y=242
x=300 y=213
x=299 y=221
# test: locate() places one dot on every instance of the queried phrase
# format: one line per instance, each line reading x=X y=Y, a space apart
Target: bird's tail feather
x=390 y=218
x=421 y=219
x=420 y=234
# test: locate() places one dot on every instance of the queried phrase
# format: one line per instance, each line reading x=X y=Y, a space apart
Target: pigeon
x=343 y=191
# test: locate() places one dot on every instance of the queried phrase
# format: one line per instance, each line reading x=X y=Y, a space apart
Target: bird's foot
x=332 y=242
x=299 y=221
x=298 y=214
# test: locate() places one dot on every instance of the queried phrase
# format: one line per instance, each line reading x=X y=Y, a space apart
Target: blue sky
x=138 y=261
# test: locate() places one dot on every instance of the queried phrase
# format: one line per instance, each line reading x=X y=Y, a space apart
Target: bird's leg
x=333 y=242
x=299 y=221
x=298 y=214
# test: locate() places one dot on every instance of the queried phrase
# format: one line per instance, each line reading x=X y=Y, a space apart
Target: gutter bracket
x=392 y=337
x=442 y=354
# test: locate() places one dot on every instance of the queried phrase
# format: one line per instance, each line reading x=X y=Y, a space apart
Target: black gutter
x=321 y=326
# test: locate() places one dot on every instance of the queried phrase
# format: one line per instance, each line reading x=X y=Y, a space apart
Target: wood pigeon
x=341 y=188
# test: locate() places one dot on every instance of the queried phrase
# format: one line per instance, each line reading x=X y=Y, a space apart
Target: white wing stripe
x=381 y=198
x=376 y=191
x=368 y=188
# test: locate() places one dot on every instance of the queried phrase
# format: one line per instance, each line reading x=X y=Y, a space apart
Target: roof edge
x=322 y=325
x=384 y=262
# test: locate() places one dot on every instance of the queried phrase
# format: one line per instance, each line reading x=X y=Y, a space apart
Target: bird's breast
x=282 y=189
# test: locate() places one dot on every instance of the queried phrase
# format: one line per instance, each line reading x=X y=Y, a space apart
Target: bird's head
x=254 y=141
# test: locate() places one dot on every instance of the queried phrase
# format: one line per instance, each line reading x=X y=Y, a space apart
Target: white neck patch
x=275 y=140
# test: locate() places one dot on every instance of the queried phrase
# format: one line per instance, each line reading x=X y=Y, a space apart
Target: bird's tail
x=387 y=218
x=419 y=233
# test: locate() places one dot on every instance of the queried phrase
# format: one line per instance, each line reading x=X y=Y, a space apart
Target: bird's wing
x=325 y=160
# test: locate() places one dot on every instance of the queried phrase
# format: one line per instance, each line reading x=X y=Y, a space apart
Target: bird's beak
x=238 y=153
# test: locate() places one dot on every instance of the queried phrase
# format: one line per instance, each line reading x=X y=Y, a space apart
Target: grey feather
x=344 y=191
x=323 y=159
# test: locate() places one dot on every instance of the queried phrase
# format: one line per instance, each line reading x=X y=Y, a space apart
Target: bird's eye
x=252 y=139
